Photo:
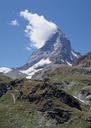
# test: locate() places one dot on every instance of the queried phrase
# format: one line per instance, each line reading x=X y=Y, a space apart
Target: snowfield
x=5 y=70
x=35 y=68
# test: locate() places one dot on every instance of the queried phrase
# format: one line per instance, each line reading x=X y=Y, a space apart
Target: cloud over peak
x=39 y=30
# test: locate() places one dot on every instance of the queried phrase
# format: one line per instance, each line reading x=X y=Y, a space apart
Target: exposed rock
x=84 y=61
x=3 y=89
x=44 y=92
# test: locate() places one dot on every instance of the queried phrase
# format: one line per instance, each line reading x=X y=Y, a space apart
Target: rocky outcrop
x=3 y=89
x=60 y=115
x=48 y=99
x=45 y=92
x=57 y=49
x=84 y=61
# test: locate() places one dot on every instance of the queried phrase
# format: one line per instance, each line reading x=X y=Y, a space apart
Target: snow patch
x=33 y=69
x=74 y=54
x=62 y=60
x=5 y=70
x=68 y=63
x=80 y=100
x=88 y=97
x=71 y=58
x=32 y=73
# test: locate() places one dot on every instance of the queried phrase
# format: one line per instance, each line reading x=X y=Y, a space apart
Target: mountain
x=84 y=61
x=56 y=50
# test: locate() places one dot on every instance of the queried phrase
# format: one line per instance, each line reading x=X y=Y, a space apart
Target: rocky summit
x=57 y=49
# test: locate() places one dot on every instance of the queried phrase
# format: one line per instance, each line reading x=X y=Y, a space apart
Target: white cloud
x=14 y=23
x=38 y=29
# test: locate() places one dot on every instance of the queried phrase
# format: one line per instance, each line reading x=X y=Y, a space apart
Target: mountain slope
x=38 y=104
x=60 y=100
x=84 y=61
x=57 y=50
x=74 y=80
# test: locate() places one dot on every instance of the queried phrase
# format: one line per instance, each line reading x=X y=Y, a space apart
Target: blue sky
x=72 y=16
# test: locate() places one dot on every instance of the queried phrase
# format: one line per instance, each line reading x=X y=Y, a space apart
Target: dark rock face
x=59 y=115
x=63 y=97
x=48 y=92
x=3 y=89
x=20 y=95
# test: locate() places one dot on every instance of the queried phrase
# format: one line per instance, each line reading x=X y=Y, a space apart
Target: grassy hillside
x=46 y=104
